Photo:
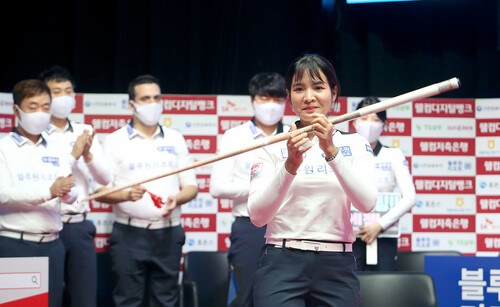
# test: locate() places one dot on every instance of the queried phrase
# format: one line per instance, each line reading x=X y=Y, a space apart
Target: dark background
x=215 y=46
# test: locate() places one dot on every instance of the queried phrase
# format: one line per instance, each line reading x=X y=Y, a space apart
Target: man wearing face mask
x=87 y=164
x=146 y=241
x=34 y=178
x=393 y=175
x=230 y=178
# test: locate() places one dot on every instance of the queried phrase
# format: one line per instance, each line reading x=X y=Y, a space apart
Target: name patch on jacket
x=52 y=160
x=345 y=151
x=256 y=170
x=169 y=149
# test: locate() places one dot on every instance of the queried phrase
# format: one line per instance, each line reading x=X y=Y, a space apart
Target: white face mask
x=149 y=114
x=61 y=106
x=369 y=130
x=33 y=123
x=269 y=113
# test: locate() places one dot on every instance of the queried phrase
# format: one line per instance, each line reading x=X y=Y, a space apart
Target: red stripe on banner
x=488 y=243
x=199 y=222
x=96 y=206
x=444 y=107
x=201 y=143
x=404 y=242
x=225 y=205
x=187 y=104
x=487 y=127
x=203 y=183
x=444 y=223
x=488 y=204
x=40 y=300
x=445 y=185
x=106 y=123
x=443 y=147
x=223 y=242
x=101 y=241
x=6 y=122
x=488 y=166
x=78 y=104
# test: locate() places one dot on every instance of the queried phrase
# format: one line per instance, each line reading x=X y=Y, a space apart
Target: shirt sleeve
x=187 y=177
x=357 y=177
x=99 y=167
x=405 y=184
x=31 y=194
x=269 y=184
x=110 y=161
x=223 y=183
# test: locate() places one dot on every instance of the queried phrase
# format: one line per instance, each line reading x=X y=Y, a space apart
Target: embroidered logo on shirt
x=345 y=151
x=256 y=169
x=369 y=148
x=52 y=160
x=169 y=149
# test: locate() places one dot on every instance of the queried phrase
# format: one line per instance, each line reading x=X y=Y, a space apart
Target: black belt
x=243 y=218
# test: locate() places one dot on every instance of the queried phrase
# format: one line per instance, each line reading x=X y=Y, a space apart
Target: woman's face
x=309 y=96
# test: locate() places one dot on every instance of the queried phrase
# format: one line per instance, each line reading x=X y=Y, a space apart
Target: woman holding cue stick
x=302 y=188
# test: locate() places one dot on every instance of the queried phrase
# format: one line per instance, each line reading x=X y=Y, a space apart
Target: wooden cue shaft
x=422 y=93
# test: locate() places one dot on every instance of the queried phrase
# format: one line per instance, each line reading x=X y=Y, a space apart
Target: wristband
x=333 y=157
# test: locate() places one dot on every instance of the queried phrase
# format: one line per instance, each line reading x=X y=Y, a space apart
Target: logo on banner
x=167 y=121
x=395 y=143
x=491 y=144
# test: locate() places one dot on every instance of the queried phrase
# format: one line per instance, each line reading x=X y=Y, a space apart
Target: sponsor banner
x=78 y=104
x=201 y=143
x=462 y=242
x=199 y=222
x=488 y=242
x=77 y=117
x=101 y=241
x=488 y=146
x=200 y=241
x=96 y=206
x=488 y=223
x=203 y=203
x=487 y=184
x=234 y=105
x=204 y=169
x=107 y=123
x=7 y=122
x=444 y=127
x=443 y=165
x=443 y=146
x=225 y=205
x=191 y=124
x=116 y=104
x=404 y=243
x=488 y=204
x=228 y=122
x=338 y=108
x=488 y=108
x=443 y=223
x=393 y=127
x=385 y=202
x=103 y=221
x=203 y=183
x=6 y=103
x=488 y=127
x=404 y=143
x=187 y=104
x=223 y=242
x=488 y=166
x=224 y=222
x=406 y=223
x=445 y=204
x=401 y=111
x=443 y=107
x=444 y=185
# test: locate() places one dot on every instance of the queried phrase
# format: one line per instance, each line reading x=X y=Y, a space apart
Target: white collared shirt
x=314 y=204
x=230 y=178
x=27 y=171
x=133 y=157
x=84 y=173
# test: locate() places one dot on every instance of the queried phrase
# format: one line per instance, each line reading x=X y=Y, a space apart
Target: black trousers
x=386 y=255
x=143 y=257
x=80 y=270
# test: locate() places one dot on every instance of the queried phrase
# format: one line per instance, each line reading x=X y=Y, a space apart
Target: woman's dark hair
x=367 y=101
x=312 y=65
x=267 y=84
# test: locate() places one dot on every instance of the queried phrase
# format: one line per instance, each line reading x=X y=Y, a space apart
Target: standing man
x=230 y=177
x=146 y=241
x=34 y=177
x=87 y=164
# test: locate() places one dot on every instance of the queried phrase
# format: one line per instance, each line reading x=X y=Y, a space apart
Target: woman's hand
x=297 y=146
x=323 y=129
x=369 y=233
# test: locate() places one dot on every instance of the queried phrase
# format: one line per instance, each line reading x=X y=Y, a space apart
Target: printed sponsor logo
x=444 y=127
x=445 y=204
x=225 y=205
x=203 y=203
x=445 y=146
x=445 y=185
x=223 y=242
x=255 y=172
x=462 y=242
x=224 y=222
x=404 y=243
x=234 y=105
x=488 y=127
x=106 y=104
x=488 y=204
x=51 y=160
x=6 y=122
x=201 y=143
x=226 y=123
x=487 y=184
x=440 y=165
x=106 y=123
x=200 y=241
x=96 y=206
x=488 y=223
x=488 y=108
x=488 y=166
x=184 y=104
x=443 y=223
x=443 y=107
x=488 y=243
x=101 y=241
x=199 y=222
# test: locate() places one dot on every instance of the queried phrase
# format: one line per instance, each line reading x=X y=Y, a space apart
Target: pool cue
x=421 y=93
